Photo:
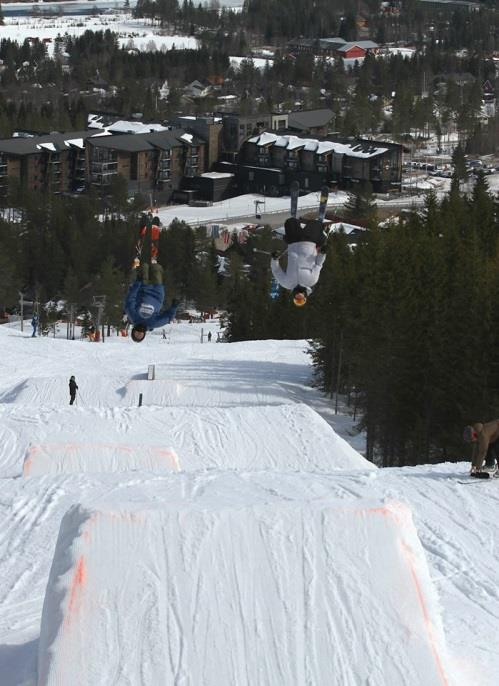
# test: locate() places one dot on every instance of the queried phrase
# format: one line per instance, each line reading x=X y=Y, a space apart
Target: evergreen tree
x=361 y=205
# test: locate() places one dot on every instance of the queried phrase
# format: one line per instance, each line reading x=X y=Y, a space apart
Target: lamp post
x=21 y=302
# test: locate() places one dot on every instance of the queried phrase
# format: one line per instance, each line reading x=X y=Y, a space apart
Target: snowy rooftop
x=123 y=126
x=354 y=149
x=217 y=175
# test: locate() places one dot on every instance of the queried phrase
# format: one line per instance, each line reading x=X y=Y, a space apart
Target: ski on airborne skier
x=294 y=193
x=323 y=203
x=148 y=232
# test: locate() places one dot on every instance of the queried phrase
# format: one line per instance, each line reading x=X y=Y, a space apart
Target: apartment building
x=269 y=163
x=61 y=163
x=149 y=162
x=53 y=164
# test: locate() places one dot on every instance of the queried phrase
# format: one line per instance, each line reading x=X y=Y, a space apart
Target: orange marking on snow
x=170 y=455
x=409 y=557
x=73 y=447
x=28 y=462
x=77 y=584
x=397 y=512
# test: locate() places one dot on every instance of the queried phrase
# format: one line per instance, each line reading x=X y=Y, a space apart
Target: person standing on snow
x=145 y=298
x=485 y=440
x=34 y=324
x=72 y=390
x=306 y=255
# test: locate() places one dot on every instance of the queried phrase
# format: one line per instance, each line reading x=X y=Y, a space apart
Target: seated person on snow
x=485 y=440
x=306 y=255
x=144 y=301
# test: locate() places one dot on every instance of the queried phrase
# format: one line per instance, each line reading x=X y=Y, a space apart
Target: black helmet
x=138 y=333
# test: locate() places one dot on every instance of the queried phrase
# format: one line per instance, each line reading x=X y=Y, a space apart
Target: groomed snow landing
x=67 y=458
x=206 y=593
x=278 y=437
x=203 y=392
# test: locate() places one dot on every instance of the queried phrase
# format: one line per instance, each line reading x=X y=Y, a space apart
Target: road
x=275 y=219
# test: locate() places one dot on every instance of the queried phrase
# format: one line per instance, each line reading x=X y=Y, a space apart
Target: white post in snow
x=201 y=335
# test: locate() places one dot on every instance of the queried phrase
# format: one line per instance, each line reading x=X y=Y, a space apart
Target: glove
x=175 y=302
x=323 y=249
x=274 y=255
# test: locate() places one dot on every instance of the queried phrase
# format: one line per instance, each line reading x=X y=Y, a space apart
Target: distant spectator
x=34 y=324
x=209 y=336
x=72 y=390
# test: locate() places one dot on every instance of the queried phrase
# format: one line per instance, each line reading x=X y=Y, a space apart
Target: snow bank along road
x=224 y=532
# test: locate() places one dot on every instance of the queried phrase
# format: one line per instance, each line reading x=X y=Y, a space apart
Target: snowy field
x=267 y=552
x=243 y=206
x=137 y=34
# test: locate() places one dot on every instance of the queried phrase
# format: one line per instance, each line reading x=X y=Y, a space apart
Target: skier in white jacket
x=306 y=255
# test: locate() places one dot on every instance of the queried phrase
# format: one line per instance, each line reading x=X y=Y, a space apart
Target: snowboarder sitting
x=306 y=255
x=145 y=299
x=485 y=440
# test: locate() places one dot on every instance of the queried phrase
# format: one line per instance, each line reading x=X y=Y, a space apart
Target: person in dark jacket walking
x=72 y=390
x=145 y=299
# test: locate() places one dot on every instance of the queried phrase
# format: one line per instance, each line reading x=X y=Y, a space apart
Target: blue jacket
x=148 y=294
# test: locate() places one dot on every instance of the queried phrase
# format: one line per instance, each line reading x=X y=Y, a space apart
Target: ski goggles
x=299 y=299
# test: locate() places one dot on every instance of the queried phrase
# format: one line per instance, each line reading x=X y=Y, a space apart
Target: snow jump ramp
x=253 y=594
x=277 y=437
x=72 y=457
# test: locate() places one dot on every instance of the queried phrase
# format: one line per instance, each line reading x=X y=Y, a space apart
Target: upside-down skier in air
x=146 y=292
x=306 y=255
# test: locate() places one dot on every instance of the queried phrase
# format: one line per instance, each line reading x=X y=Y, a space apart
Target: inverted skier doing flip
x=306 y=255
x=147 y=292
x=306 y=249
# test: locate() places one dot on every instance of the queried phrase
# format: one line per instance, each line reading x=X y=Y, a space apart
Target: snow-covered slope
x=269 y=485
x=167 y=439
x=240 y=593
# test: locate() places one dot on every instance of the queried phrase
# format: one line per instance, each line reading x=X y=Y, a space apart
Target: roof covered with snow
x=364 y=149
x=54 y=142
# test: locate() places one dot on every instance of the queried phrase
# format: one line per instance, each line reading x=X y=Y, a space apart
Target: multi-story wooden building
x=53 y=164
x=62 y=163
x=270 y=162
x=148 y=161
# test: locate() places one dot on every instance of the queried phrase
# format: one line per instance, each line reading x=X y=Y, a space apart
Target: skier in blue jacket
x=144 y=301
